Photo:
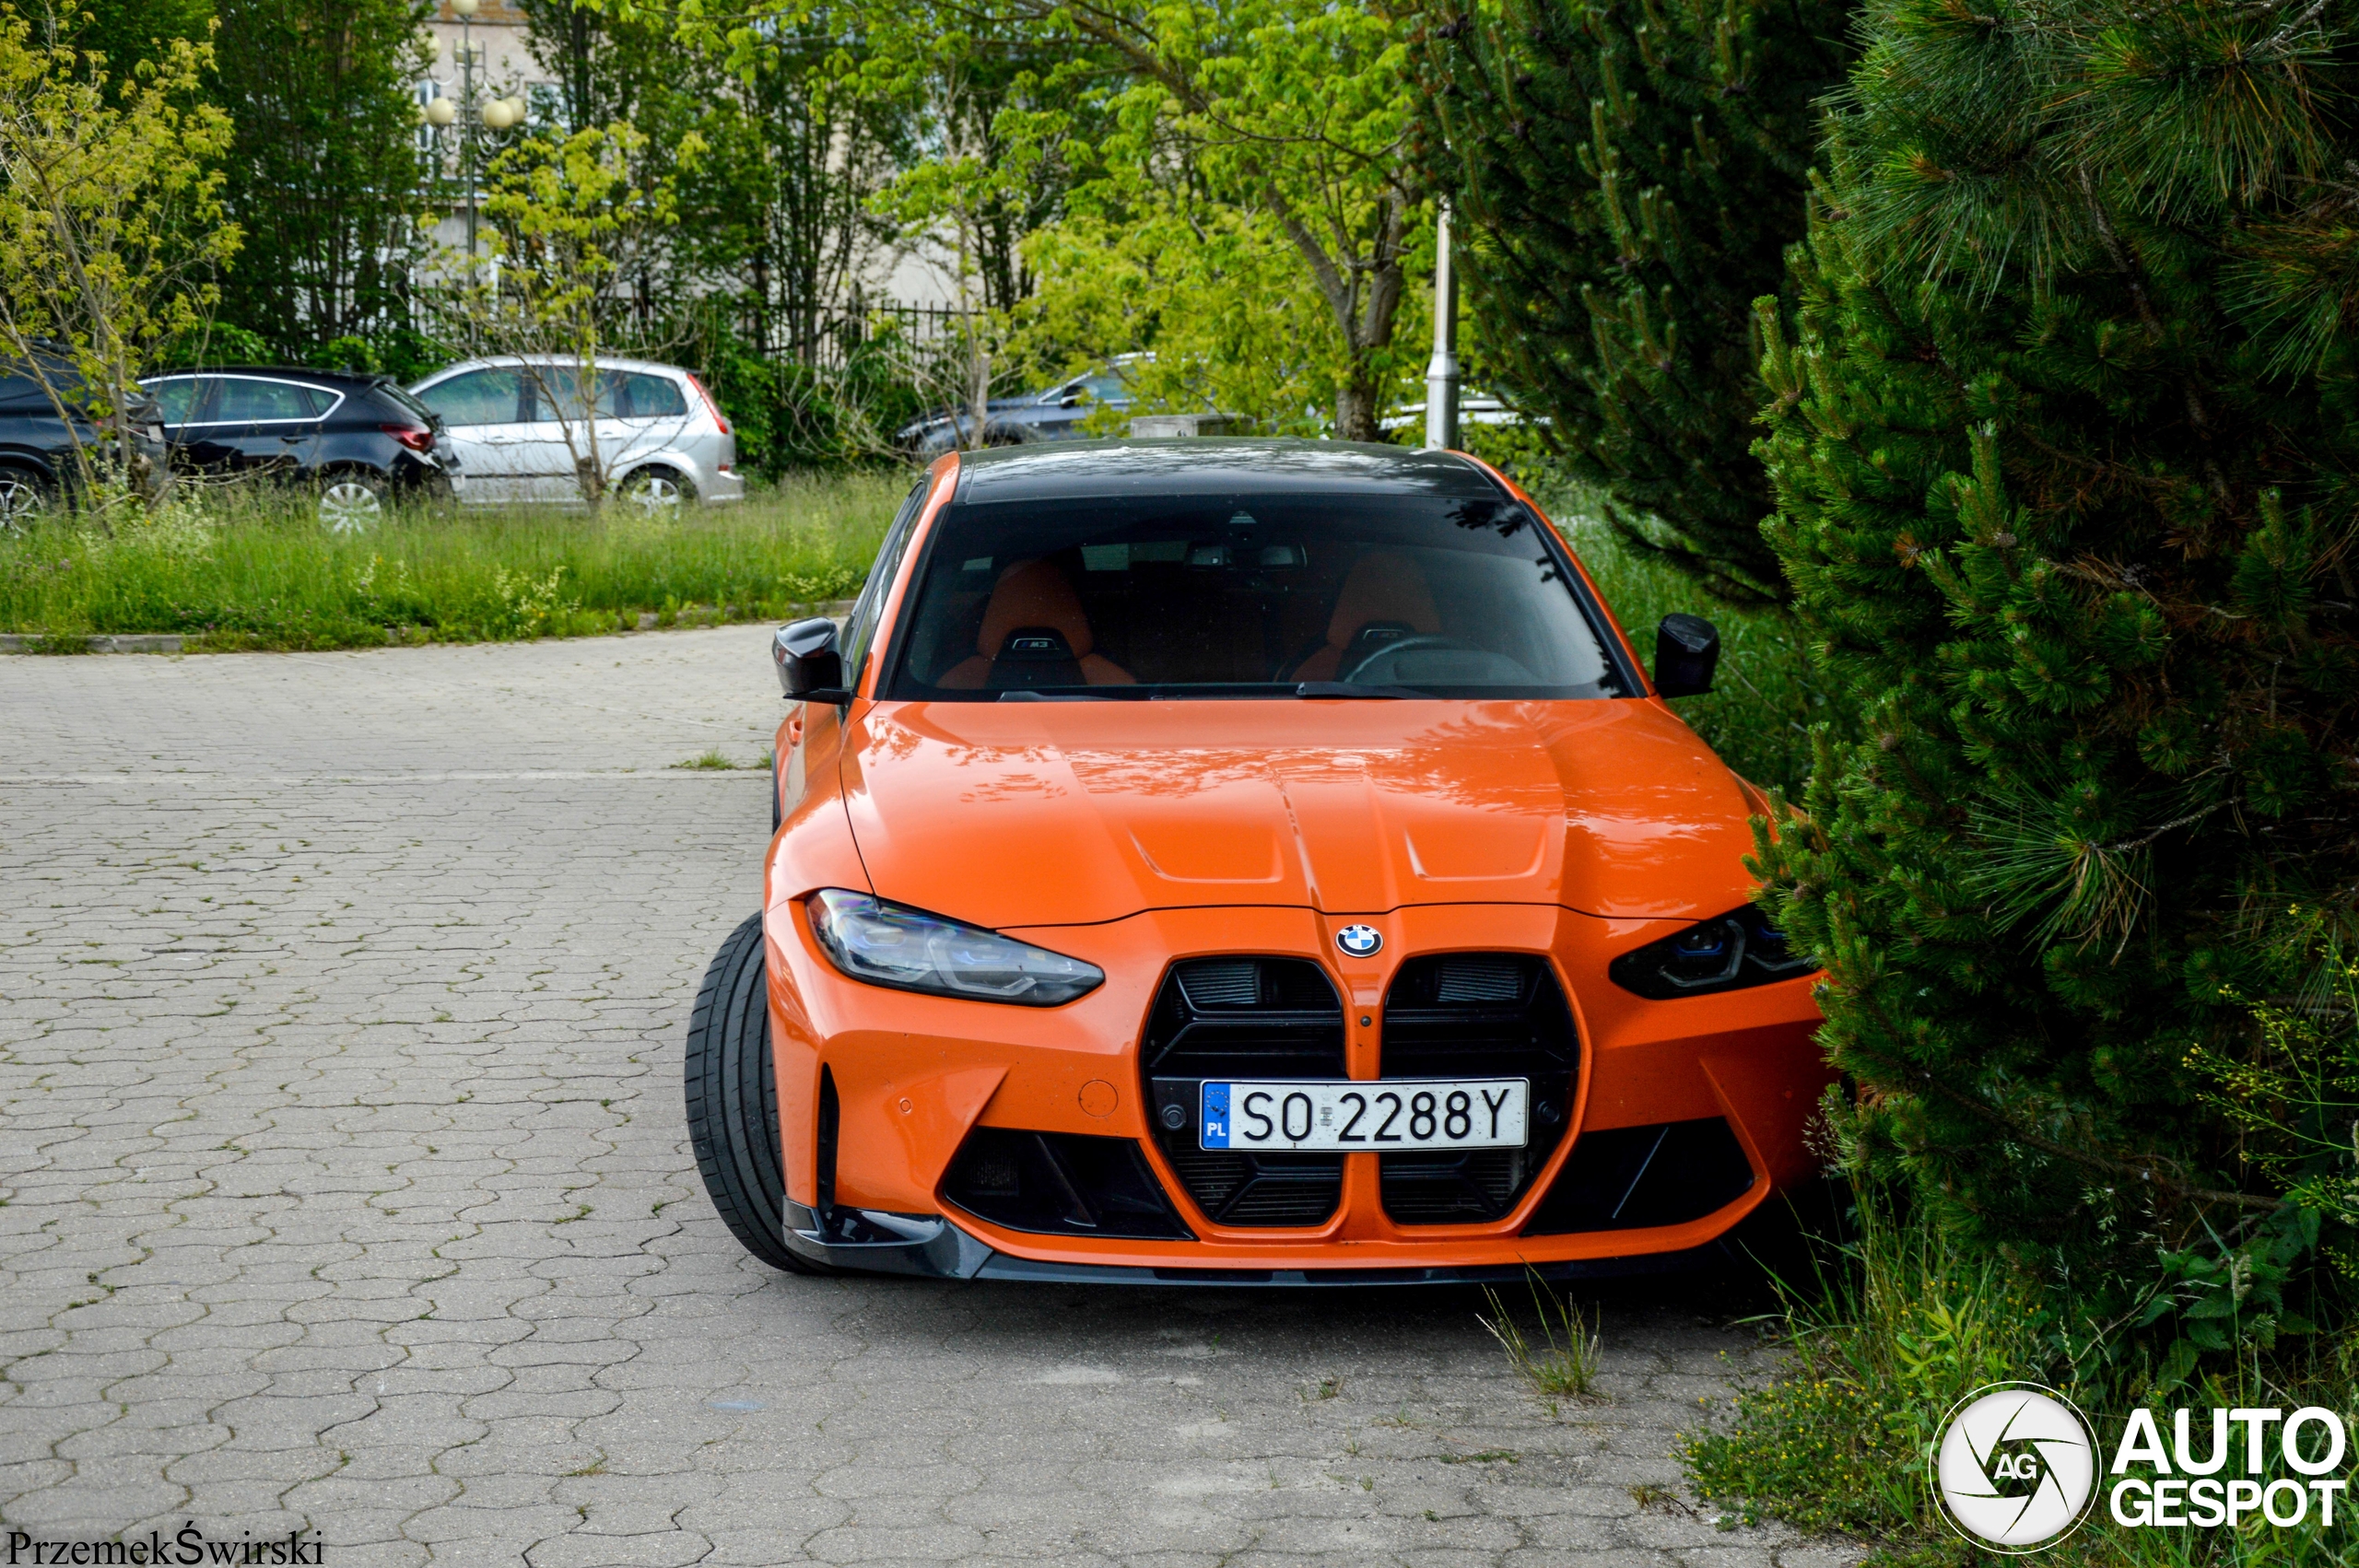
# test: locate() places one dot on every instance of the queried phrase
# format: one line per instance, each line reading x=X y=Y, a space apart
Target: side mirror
x=810 y=667
x=1687 y=650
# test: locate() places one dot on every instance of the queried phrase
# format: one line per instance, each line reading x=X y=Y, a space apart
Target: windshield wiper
x=1345 y=689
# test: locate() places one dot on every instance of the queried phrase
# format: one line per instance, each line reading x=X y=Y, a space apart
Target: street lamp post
x=465 y=10
x=1441 y=370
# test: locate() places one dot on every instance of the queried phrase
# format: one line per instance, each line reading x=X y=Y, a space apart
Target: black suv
x=359 y=441
x=38 y=442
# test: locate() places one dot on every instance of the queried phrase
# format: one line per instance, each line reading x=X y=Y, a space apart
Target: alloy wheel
x=655 y=492
x=22 y=499
x=350 y=506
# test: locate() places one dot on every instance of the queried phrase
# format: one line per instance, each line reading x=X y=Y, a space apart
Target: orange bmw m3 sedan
x=1235 y=861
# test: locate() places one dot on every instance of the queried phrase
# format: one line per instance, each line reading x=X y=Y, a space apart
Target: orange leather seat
x=1382 y=585
x=1030 y=594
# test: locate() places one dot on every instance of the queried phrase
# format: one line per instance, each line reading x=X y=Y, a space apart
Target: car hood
x=1073 y=812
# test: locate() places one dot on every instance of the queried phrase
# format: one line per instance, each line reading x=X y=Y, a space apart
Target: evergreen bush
x=2062 y=438
x=1624 y=175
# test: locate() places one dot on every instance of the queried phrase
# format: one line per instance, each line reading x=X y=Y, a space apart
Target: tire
x=352 y=502
x=733 y=1100
x=658 y=490
x=26 y=496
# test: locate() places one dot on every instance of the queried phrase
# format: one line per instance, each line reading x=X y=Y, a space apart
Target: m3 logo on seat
x=1359 y=941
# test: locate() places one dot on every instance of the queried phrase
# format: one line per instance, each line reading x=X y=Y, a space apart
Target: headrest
x=1033 y=594
x=1382 y=585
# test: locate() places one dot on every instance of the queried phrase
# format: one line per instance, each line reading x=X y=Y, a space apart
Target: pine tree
x=2062 y=437
x=1625 y=174
x=326 y=178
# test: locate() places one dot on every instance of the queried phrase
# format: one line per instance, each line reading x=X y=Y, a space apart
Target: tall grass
x=1898 y=1326
x=256 y=570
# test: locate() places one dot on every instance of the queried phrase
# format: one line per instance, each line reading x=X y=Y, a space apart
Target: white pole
x=1441 y=370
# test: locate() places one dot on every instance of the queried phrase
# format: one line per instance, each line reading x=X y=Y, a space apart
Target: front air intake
x=1639 y=1177
x=1238 y=1018
x=1478 y=1015
x=1061 y=1183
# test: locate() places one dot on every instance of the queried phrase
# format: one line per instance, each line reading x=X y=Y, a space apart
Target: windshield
x=1355 y=594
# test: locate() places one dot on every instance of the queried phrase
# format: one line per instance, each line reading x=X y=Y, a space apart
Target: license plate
x=1395 y=1114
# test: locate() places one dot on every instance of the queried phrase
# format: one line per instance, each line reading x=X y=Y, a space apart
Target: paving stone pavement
x=346 y=1191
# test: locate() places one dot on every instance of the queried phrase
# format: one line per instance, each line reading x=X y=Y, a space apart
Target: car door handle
x=292 y=440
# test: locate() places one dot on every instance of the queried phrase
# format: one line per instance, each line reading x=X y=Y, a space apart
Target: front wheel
x=733 y=1100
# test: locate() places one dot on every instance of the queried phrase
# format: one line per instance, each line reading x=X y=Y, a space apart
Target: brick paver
x=345 y=1191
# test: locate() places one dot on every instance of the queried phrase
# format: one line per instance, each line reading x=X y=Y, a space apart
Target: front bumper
x=902 y=1082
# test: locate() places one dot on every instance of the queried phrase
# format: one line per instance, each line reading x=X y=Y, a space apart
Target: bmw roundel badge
x=1359 y=941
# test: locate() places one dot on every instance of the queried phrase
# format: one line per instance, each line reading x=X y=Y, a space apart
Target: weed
x=1895 y=1333
x=1487 y=1456
x=1900 y=1325
x=713 y=761
x=1566 y=1361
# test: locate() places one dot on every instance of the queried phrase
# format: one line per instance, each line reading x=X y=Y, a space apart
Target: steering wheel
x=1399 y=645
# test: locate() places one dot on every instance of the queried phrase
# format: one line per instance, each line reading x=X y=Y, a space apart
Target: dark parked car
x=360 y=441
x=1055 y=413
x=37 y=441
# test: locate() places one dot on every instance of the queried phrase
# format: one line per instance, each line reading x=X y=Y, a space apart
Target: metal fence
x=829 y=337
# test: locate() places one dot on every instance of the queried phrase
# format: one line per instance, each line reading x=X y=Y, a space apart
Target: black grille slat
x=1479 y=981
x=1303 y=1192
x=1476 y=1015
x=1222 y=985
x=1244 y=1018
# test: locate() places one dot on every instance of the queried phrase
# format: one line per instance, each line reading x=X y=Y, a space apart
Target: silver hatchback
x=524 y=432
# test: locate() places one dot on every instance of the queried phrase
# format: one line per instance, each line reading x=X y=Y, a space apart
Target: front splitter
x=931 y=1247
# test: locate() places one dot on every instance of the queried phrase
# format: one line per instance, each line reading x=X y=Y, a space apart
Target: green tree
x=2061 y=432
x=775 y=214
x=570 y=225
x=1294 y=112
x=1625 y=174
x=127 y=33
x=1250 y=213
x=327 y=177
x=111 y=226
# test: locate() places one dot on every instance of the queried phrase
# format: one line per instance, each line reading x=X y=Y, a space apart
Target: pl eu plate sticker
x=1216 y=1115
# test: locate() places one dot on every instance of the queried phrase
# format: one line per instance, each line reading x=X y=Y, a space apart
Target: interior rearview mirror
x=810 y=666
x=1687 y=650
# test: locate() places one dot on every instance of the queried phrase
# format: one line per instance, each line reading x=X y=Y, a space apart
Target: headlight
x=1726 y=953
x=889 y=944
